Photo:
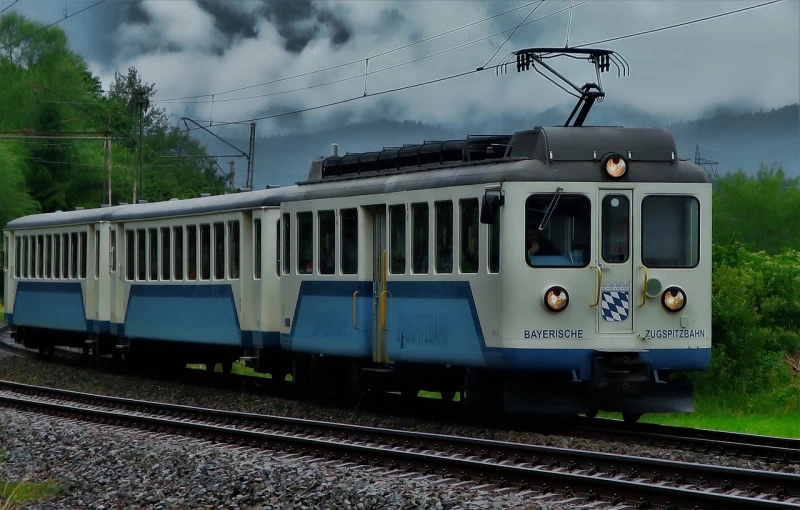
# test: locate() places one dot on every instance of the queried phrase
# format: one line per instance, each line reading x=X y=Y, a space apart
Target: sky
x=199 y=47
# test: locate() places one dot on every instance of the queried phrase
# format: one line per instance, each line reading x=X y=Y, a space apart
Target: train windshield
x=670 y=231
x=565 y=239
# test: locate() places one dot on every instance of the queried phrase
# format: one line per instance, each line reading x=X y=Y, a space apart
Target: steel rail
x=570 y=472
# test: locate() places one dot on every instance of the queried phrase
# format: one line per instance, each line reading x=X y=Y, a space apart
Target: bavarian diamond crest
x=615 y=305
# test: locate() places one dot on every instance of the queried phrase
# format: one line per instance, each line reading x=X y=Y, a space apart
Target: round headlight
x=615 y=166
x=556 y=299
x=674 y=299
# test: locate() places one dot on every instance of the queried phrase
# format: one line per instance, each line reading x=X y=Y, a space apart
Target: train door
x=379 y=292
x=615 y=298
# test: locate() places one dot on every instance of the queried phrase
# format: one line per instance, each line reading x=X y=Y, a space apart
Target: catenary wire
x=14 y=43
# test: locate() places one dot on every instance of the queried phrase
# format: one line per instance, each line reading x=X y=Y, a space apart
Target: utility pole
x=250 y=168
x=232 y=175
x=108 y=157
x=709 y=166
x=140 y=99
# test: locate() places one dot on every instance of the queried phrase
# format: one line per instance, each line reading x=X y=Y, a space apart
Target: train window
x=305 y=243
x=327 y=242
x=233 y=250
x=57 y=256
x=205 y=252
x=191 y=252
x=470 y=242
x=84 y=254
x=24 y=261
x=166 y=254
x=494 y=245
x=40 y=256
x=397 y=238
x=419 y=238
x=219 y=251
x=153 y=251
x=670 y=231
x=48 y=256
x=18 y=258
x=287 y=245
x=444 y=237
x=349 y=238
x=615 y=222
x=96 y=254
x=75 y=255
x=64 y=255
x=177 y=254
x=130 y=251
x=257 y=248
x=277 y=247
x=564 y=238
x=113 y=251
x=141 y=255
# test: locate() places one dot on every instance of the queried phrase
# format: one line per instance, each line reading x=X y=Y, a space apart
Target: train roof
x=532 y=155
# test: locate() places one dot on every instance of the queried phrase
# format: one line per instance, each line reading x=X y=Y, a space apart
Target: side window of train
x=287 y=245
x=130 y=255
x=112 y=254
x=177 y=266
x=349 y=236
x=470 y=242
x=233 y=250
x=56 y=255
x=191 y=252
x=141 y=254
x=219 y=251
x=39 y=256
x=25 y=252
x=166 y=253
x=444 y=237
x=84 y=253
x=48 y=252
x=96 y=253
x=305 y=243
x=257 y=249
x=205 y=252
x=670 y=231
x=327 y=242
x=18 y=258
x=153 y=252
x=74 y=257
x=278 y=248
x=397 y=238
x=563 y=240
x=419 y=238
x=65 y=255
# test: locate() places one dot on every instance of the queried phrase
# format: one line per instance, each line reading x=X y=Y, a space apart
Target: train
x=554 y=271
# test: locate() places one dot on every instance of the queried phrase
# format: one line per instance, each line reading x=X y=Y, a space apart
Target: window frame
x=588 y=255
x=642 y=222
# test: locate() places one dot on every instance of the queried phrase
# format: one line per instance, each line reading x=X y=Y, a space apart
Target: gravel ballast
x=104 y=467
x=36 y=372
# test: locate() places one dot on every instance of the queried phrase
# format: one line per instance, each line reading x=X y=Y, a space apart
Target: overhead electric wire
x=677 y=25
x=14 y=43
x=514 y=31
x=357 y=60
x=387 y=68
x=12 y=4
x=480 y=69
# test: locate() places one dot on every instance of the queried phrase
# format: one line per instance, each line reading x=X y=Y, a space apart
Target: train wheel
x=227 y=367
x=210 y=366
x=448 y=395
x=591 y=414
x=631 y=417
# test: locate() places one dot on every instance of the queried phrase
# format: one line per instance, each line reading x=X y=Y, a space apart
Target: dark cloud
x=300 y=21
x=134 y=13
x=390 y=18
x=229 y=21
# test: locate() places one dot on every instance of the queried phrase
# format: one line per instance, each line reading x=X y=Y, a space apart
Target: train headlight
x=673 y=299
x=615 y=166
x=556 y=299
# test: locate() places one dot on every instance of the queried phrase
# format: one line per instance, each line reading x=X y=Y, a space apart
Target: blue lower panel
x=435 y=322
x=190 y=313
x=323 y=319
x=50 y=305
x=8 y=319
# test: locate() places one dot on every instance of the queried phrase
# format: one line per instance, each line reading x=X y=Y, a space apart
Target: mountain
x=737 y=140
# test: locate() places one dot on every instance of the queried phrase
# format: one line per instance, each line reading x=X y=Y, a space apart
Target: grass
x=238 y=368
x=13 y=493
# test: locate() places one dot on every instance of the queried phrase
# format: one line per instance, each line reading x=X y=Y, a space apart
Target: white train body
x=407 y=269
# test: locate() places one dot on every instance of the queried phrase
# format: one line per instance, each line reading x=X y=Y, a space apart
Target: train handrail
x=354 y=309
x=383 y=294
x=644 y=288
x=599 y=282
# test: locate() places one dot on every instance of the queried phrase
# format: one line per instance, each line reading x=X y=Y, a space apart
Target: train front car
x=607 y=292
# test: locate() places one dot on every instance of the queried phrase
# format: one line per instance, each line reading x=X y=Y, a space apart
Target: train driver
x=538 y=245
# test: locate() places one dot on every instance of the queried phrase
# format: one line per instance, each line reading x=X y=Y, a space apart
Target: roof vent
x=173 y=199
x=243 y=190
x=272 y=186
x=142 y=201
x=204 y=195
x=79 y=208
x=104 y=206
x=334 y=149
x=124 y=203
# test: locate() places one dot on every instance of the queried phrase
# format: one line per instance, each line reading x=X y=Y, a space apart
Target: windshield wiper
x=551 y=208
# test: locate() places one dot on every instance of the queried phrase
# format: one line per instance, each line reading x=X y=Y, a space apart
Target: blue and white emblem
x=615 y=301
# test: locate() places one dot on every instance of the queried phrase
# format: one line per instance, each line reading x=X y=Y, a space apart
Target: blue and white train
x=556 y=270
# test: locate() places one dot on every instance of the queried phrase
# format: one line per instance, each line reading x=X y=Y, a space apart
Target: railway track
x=544 y=473
x=770 y=448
